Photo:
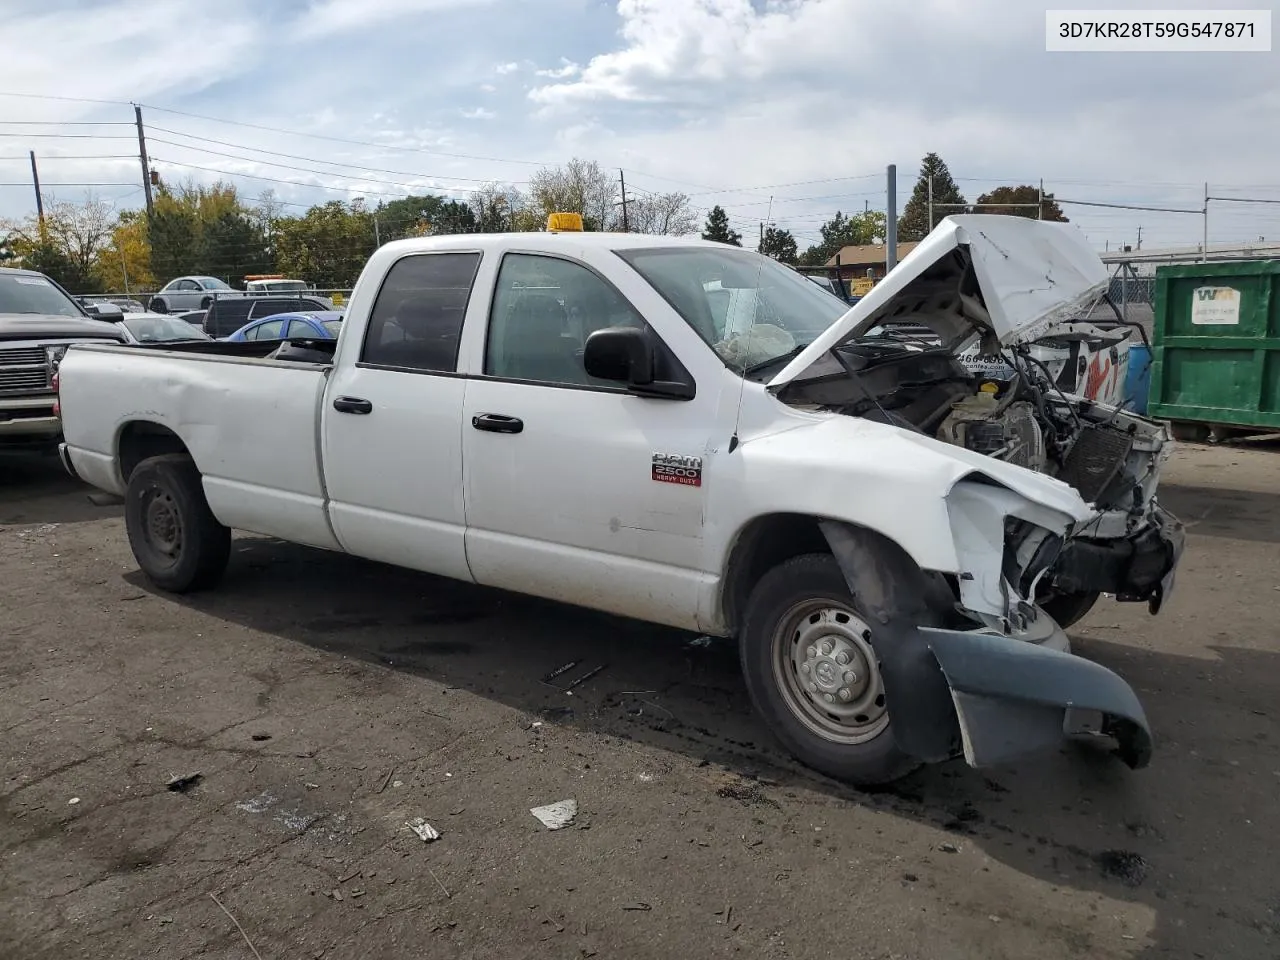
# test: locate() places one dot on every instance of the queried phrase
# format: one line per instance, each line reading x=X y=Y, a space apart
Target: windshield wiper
x=765 y=364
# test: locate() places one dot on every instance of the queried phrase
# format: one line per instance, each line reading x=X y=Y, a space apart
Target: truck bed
x=251 y=424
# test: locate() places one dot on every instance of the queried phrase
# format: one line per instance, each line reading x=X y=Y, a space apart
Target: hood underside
x=1001 y=277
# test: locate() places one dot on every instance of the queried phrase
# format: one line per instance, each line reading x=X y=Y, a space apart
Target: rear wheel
x=176 y=539
x=809 y=659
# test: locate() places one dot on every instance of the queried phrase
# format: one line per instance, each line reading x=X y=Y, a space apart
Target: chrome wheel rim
x=827 y=671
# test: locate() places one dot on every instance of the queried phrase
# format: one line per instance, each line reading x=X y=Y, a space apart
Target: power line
x=64 y=123
x=46 y=96
x=292 y=156
x=27 y=183
x=358 y=143
x=44 y=158
x=293 y=183
x=1126 y=206
x=69 y=136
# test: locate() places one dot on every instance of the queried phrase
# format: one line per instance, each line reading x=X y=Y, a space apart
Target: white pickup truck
x=693 y=435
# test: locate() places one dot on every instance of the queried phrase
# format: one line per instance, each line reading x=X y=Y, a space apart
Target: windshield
x=161 y=329
x=209 y=283
x=752 y=310
x=27 y=293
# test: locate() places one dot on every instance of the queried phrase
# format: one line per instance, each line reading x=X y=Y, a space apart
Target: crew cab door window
x=394 y=472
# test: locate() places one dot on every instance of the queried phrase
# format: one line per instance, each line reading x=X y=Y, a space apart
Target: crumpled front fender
x=1014 y=698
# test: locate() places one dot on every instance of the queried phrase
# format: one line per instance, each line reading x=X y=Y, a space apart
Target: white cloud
x=327 y=17
x=479 y=113
x=567 y=69
x=487 y=88
x=503 y=69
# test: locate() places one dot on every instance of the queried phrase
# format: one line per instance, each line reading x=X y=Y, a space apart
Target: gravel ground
x=327 y=702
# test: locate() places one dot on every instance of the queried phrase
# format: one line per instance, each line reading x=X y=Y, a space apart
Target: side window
x=266 y=307
x=271 y=330
x=416 y=321
x=543 y=311
x=187 y=285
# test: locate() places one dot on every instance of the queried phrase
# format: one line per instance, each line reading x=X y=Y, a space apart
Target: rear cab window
x=416 y=321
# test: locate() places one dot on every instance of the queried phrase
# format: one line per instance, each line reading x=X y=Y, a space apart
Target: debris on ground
x=585 y=677
x=73 y=801
x=260 y=737
x=560 y=671
x=642 y=906
x=258 y=804
x=425 y=831
x=1123 y=865
x=700 y=643
x=181 y=784
x=948 y=848
x=556 y=815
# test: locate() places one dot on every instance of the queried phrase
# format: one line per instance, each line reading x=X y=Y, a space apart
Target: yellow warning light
x=566 y=222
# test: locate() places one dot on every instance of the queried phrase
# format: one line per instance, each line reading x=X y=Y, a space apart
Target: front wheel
x=176 y=539
x=809 y=660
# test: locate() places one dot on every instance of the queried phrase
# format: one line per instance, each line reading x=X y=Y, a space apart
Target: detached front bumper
x=1014 y=698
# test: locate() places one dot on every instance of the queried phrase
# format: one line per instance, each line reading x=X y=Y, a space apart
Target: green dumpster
x=1216 y=348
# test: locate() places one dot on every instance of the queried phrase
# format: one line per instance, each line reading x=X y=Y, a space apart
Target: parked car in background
x=292 y=326
x=225 y=317
x=38 y=321
x=159 y=328
x=126 y=304
x=191 y=293
x=276 y=284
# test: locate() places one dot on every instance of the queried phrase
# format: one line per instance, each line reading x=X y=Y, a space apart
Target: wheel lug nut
x=827 y=647
x=811 y=652
x=850 y=677
x=804 y=668
x=845 y=694
x=813 y=688
x=842 y=658
x=829 y=698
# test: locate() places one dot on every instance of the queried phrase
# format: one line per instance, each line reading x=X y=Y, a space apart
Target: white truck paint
x=611 y=495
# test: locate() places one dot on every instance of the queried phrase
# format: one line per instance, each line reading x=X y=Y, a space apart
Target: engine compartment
x=1011 y=409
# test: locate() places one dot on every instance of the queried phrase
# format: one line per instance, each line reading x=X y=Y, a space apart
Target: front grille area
x=24 y=369
x=1095 y=459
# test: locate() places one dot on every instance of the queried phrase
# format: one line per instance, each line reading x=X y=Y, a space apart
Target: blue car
x=321 y=325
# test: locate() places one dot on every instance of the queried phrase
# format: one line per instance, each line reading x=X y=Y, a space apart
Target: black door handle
x=497 y=423
x=352 y=405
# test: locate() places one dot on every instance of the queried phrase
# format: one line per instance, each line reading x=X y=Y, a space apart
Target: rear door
x=392 y=435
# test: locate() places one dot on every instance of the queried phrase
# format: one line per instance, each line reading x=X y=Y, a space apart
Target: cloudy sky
x=788 y=106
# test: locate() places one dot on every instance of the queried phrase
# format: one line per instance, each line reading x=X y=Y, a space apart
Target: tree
x=1049 y=209
x=664 y=214
x=495 y=207
x=717 y=228
x=421 y=216
x=779 y=244
x=328 y=245
x=124 y=264
x=947 y=200
x=841 y=231
x=580 y=186
x=65 y=244
x=206 y=229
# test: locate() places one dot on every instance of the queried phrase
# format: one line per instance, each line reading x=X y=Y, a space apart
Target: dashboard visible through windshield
x=749 y=308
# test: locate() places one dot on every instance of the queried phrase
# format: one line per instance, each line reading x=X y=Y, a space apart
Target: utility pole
x=1204 y=247
x=142 y=156
x=1139 y=237
x=1040 y=201
x=891 y=219
x=626 y=226
x=35 y=179
x=930 y=230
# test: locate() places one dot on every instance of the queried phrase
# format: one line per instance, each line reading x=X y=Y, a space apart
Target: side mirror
x=105 y=311
x=623 y=354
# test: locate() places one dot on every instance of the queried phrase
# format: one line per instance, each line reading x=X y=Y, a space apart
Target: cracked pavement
x=326 y=702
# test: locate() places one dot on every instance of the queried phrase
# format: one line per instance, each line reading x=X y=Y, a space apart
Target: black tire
x=814 y=577
x=176 y=539
x=205 y=303
x=158 y=306
x=1068 y=609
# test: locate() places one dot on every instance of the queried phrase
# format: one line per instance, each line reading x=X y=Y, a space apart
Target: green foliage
x=947 y=200
x=717 y=228
x=327 y=246
x=779 y=244
x=424 y=216
x=841 y=231
x=1049 y=209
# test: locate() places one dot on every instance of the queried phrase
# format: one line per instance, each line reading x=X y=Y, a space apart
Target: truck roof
x=548 y=242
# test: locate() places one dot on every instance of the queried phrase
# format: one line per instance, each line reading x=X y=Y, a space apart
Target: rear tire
x=176 y=539
x=805 y=604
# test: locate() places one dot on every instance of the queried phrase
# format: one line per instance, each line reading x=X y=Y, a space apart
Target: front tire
x=810 y=666
x=176 y=539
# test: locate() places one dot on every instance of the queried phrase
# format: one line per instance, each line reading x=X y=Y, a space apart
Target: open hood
x=1031 y=274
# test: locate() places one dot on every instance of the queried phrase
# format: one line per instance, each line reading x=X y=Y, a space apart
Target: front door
x=577 y=490
x=391 y=435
